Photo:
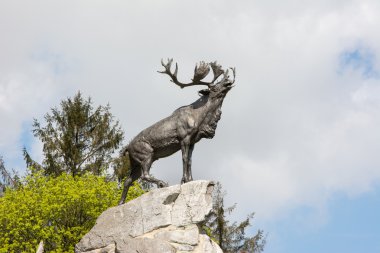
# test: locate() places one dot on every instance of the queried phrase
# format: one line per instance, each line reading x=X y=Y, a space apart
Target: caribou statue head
x=181 y=130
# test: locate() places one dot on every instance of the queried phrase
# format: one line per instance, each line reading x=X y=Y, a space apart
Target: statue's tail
x=122 y=170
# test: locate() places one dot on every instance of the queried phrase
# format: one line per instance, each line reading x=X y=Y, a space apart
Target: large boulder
x=162 y=220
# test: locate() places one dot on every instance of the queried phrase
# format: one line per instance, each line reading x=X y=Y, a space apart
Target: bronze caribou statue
x=181 y=130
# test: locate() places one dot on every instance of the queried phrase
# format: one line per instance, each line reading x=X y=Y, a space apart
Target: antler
x=226 y=76
x=200 y=72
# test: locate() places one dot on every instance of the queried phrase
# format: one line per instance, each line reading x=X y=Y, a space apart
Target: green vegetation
x=58 y=210
x=231 y=237
x=60 y=200
x=76 y=138
x=7 y=179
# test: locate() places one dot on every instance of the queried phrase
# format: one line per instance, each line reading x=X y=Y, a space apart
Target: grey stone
x=183 y=247
x=207 y=245
x=182 y=235
x=144 y=245
x=108 y=249
x=156 y=212
x=193 y=204
x=162 y=220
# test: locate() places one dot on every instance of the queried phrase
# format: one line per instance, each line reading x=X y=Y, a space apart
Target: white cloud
x=23 y=95
x=295 y=129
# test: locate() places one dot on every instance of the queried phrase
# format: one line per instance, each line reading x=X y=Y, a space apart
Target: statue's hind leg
x=146 y=164
x=135 y=174
x=142 y=153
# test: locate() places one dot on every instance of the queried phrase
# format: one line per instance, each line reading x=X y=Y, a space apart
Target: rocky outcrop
x=162 y=220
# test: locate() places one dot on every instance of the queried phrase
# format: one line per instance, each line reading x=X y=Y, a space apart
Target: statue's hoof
x=183 y=181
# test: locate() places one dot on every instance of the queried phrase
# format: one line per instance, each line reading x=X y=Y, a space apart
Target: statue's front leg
x=189 y=170
x=186 y=149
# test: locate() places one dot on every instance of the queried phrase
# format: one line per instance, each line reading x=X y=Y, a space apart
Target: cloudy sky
x=299 y=137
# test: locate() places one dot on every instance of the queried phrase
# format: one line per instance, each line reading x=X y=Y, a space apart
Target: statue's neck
x=208 y=116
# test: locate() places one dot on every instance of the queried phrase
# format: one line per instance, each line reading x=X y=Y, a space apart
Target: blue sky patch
x=26 y=137
x=353 y=226
x=359 y=59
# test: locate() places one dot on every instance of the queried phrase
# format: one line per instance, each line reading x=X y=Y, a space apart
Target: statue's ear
x=204 y=92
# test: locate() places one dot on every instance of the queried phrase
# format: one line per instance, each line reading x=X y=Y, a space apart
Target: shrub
x=58 y=211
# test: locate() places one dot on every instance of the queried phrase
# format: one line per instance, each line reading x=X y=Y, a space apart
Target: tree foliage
x=7 y=178
x=77 y=138
x=231 y=237
x=122 y=167
x=58 y=210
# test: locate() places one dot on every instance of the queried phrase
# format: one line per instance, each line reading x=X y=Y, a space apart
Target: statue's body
x=181 y=130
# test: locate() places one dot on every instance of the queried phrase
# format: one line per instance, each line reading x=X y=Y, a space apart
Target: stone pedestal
x=162 y=220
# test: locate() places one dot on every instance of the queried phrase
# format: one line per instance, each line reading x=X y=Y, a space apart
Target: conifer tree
x=76 y=138
x=7 y=178
x=231 y=238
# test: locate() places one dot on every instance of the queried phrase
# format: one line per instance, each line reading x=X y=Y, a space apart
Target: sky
x=298 y=140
